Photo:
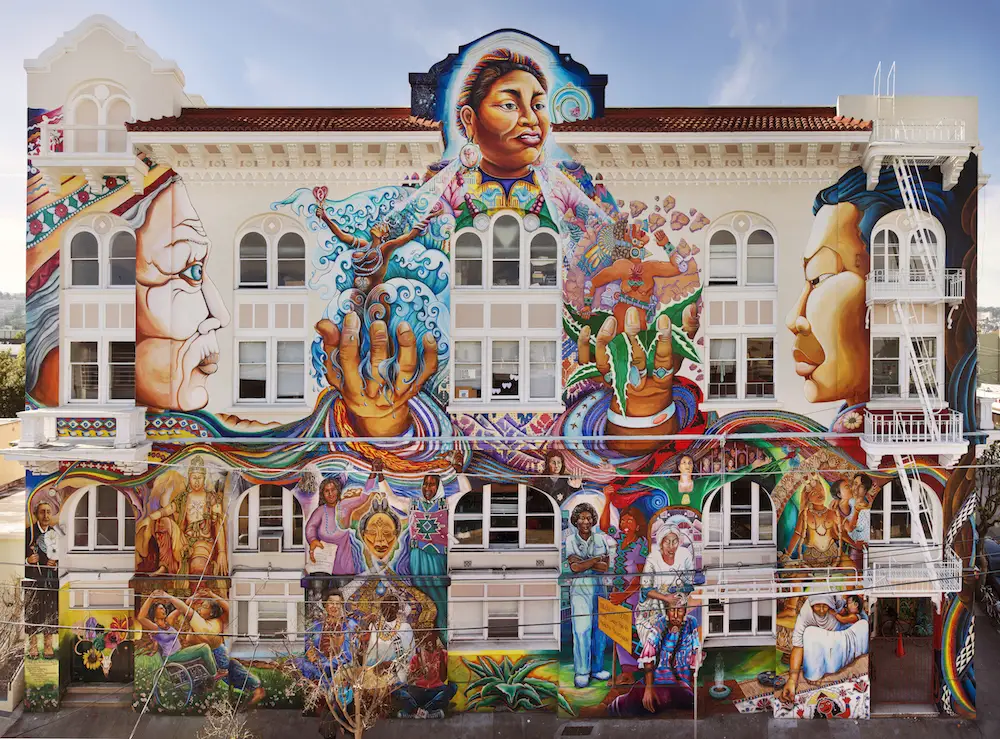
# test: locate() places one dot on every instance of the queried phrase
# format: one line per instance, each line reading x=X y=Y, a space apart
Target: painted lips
x=804 y=367
x=530 y=139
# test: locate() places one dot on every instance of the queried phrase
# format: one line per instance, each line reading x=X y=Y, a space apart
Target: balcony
x=890 y=432
x=919 y=131
x=915 y=286
x=80 y=434
x=913 y=579
x=96 y=151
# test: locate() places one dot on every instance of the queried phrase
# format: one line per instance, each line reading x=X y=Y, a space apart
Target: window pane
x=885 y=366
x=765 y=621
x=506 y=367
x=107 y=532
x=760 y=368
x=129 y=527
x=537 y=502
x=544 y=251
x=469 y=260
x=84 y=370
x=253 y=259
x=470 y=503
x=291 y=370
x=542 y=369
x=243 y=523
x=538 y=618
x=253 y=370
x=253 y=352
x=760 y=258
x=121 y=382
x=291 y=260
x=506 y=252
x=540 y=529
x=468 y=357
x=925 y=369
x=722 y=368
x=722 y=258
x=469 y=532
x=107 y=502
x=740 y=615
x=85 y=272
x=270 y=498
x=83 y=246
x=123 y=258
x=83 y=351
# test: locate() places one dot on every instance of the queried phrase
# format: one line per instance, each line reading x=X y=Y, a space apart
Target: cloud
x=740 y=83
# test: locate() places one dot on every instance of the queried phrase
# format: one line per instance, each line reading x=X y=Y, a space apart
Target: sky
x=655 y=52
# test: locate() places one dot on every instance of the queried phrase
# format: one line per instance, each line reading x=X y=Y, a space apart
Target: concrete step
x=98 y=695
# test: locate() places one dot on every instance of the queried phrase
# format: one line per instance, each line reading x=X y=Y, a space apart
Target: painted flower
x=92 y=659
x=120 y=624
x=83 y=196
x=852 y=421
x=61 y=210
x=110 y=182
x=90 y=628
x=35 y=226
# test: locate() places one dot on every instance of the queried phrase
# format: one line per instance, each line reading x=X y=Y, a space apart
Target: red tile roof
x=714 y=120
x=615 y=120
x=287 y=119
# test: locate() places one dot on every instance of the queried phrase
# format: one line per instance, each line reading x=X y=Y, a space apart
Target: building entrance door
x=907 y=678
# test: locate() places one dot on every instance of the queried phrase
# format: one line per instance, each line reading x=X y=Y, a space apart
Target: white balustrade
x=913 y=427
x=915 y=285
x=918 y=131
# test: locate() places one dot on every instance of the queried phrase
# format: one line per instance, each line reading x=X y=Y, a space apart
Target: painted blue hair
x=886 y=197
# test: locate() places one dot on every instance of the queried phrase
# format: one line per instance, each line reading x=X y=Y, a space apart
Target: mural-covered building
x=483 y=368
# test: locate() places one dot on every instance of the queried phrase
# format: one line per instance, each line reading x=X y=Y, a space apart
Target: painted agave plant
x=508 y=685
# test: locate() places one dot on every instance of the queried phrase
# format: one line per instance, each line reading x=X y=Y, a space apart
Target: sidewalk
x=118 y=723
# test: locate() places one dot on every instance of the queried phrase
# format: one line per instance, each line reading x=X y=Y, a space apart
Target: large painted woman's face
x=828 y=321
x=511 y=124
x=178 y=308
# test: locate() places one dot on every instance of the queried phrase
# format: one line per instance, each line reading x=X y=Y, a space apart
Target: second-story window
x=269 y=519
x=103 y=519
x=271 y=255
x=101 y=370
x=505 y=255
x=500 y=516
x=891 y=364
x=271 y=370
x=741 y=251
x=740 y=514
x=740 y=367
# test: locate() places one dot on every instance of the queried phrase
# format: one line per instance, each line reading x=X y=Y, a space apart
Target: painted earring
x=470 y=155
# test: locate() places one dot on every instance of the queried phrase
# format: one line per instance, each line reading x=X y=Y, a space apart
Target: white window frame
x=524 y=368
x=86 y=92
x=89 y=498
x=103 y=256
x=468 y=634
x=79 y=595
x=751 y=223
x=895 y=331
x=486 y=516
x=725 y=510
x=929 y=504
x=742 y=362
x=524 y=255
x=272 y=227
x=900 y=222
x=248 y=633
x=271 y=369
x=103 y=339
x=757 y=604
x=288 y=503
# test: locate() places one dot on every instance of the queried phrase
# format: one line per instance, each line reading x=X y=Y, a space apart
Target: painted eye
x=508 y=106
x=194 y=273
x=539 y=106
x=820 y=278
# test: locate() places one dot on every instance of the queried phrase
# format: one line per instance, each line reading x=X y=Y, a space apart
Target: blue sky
x=749 y=52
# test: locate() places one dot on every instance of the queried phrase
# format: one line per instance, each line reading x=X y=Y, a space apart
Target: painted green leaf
x=583 y=372
x=527 y=668
x=508 y=690
x=475 y=667
x=542 y=686
x=492 y=667
x=620 y=354
x=480 y=683
x=564 y=704
x=506 y=668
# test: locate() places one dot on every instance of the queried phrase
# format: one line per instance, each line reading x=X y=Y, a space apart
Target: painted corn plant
x=509 y=685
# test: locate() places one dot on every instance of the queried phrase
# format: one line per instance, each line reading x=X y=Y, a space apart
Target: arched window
x=740 y=514
x=269 y=519
x=108 y=244
x=923 y=255
x=506 y=261
x=97 y=114
x=501 y=516
x=892 y=522
x=122 y=259
x=760 y=258
x=885 y=253
x=84 y=254
x=722 y=258
x=103 y=520
x=544 y=260
x=468 y=260
x=253 y=260
x=291 y=260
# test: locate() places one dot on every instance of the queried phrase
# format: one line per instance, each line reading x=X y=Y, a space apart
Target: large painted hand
x=649 y=409
x=378 y=406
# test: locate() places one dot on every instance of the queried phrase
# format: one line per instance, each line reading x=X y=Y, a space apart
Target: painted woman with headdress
x=159 y=541
x=669 y=566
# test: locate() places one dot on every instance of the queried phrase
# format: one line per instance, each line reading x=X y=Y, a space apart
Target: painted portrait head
x=831 y=347
x=503 y=109
x=178 y=308
x=330 y=490
x=584 y=518
x=380 y=529
x=554 y=464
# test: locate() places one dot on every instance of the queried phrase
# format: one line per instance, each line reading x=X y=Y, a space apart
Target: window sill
x=268 y=407
x=461 y=407
x=889 y=404
x=740 y=640
x=489 y=646
x=732 y=404
x=265 y=290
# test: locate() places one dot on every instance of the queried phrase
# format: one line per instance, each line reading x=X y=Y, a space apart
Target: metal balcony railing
x=916 y=578
x=915 y=285
x=918 y=131
x=913 y=427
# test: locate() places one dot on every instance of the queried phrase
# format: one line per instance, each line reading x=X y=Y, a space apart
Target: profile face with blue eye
x=831 y=349
x=178 y=308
